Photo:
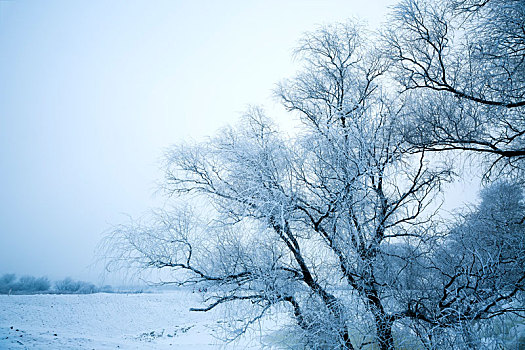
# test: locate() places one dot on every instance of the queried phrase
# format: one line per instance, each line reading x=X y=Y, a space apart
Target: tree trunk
x=384 y=331
x=347 y=345
x=383 y=322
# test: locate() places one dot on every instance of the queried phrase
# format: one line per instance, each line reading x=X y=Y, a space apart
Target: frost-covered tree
x=463 y=62
x=473 y=281
x=335 y=226
x=311 y=224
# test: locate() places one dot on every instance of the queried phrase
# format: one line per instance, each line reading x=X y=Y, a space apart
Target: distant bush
x=106 y=289
x=29 y=284
x=69 y=285
x=26 y=284
x=33 y=284
x=7 y=278
x=6 y=282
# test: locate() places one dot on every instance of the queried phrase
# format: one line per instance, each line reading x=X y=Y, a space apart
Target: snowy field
x=141 y=321
x=113 y=321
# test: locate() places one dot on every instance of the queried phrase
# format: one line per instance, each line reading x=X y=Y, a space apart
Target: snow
x=136 y=321
x=112 y=321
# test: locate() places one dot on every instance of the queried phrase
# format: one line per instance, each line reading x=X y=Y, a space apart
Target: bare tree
x=461 y=62
x=336 y=226
x=309 y=223
x=474 y=278
x=464 y=62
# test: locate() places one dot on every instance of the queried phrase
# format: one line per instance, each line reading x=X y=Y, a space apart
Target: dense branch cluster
x=466 y=62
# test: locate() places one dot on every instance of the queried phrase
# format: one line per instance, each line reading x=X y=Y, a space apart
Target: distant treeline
x=11 y=284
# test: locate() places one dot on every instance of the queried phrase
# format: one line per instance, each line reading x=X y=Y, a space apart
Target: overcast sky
x=92 y=92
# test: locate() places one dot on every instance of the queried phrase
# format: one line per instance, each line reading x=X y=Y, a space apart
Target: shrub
x=32 y=284
x=26 y=284
x=68 y=285
x=29 y=284
x=6 y=282
x=106 y=289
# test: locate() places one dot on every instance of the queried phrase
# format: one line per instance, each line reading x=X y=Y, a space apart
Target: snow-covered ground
x=112 y=321
x=142 y=321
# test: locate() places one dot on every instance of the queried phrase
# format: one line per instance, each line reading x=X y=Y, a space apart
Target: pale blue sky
x=92 y=92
